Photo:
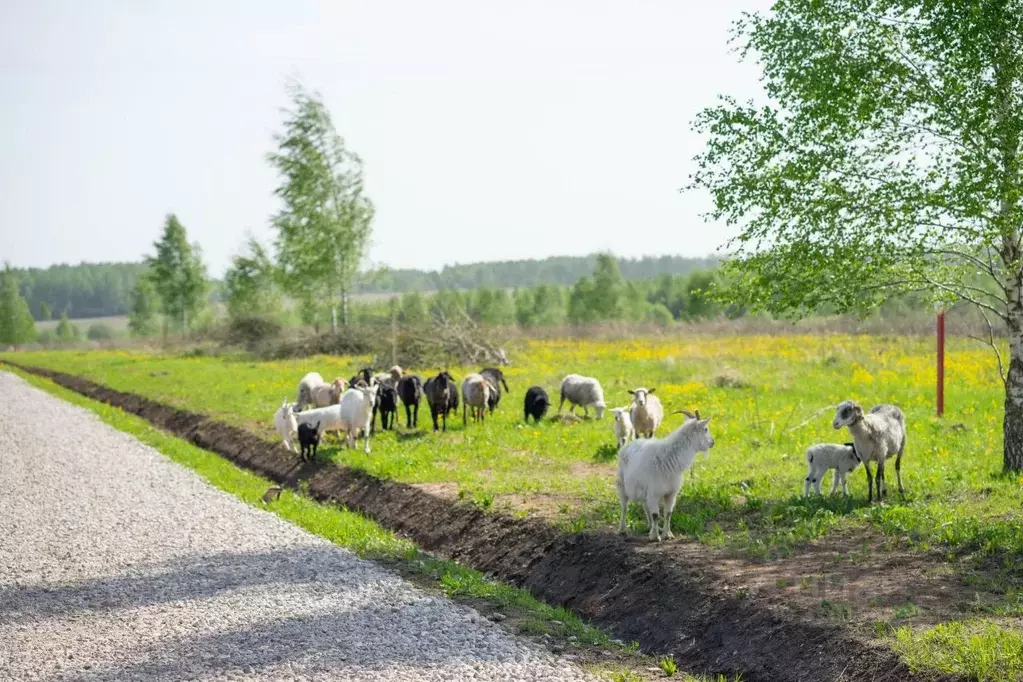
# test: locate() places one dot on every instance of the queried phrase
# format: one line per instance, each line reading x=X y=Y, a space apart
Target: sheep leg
x=882 y=487
x=898 y=466
x=834 y=481
x=465 y=406
x=806 y=486
x=870 y=482
x=367 y=441
x=433 y=413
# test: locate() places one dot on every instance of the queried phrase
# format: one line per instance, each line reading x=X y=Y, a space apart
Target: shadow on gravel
x=194 y=578
x=635 y=592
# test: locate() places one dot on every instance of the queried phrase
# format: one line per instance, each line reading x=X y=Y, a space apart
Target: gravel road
x=117 y=564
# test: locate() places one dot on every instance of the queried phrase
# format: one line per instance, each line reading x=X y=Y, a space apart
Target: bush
x=659 y=314
x=351 y=341
x=100 y=332
x=252 y=331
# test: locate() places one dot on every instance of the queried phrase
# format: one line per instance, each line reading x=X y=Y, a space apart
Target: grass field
x=770 y=397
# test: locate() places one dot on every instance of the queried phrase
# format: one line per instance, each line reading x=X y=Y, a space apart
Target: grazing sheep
x=536 y=404
x=646 y=412
x=476 y=394
x=305 y=389
x=624 y=432
x=387 y=405
x=410 y=391
x=877 y=435
x=286 y=425
x=496 y=379
x=441 y=392
x=650 y=471
x=309 y=439
x=583 y=391
x=820 y=458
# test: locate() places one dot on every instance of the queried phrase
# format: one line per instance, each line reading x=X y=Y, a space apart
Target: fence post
x=941 y=362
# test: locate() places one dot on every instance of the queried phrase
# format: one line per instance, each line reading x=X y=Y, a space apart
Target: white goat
x=877 y=435
x=286 y=425
x=824 y=456
x=583 y=391
x=475 y=396
x=622 y=425
x=356 y=410
x=647 y=412
x=650 y=471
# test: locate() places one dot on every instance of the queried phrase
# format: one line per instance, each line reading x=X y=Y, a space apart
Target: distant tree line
x=602 y=295
x=86 y=290
x=562 y=270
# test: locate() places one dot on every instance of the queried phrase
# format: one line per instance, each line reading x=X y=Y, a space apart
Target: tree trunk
x=344 y=307
x=333 y=319
x=1012 y=428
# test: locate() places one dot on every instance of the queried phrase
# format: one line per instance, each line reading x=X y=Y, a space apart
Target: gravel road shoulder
x=117 y=564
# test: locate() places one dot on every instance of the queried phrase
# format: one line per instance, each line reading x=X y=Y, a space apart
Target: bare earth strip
x=117 y=564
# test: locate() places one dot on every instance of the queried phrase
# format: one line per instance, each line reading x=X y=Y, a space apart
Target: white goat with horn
x=650 y=471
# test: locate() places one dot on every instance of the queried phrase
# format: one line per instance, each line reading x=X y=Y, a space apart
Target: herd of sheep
x=650 y=470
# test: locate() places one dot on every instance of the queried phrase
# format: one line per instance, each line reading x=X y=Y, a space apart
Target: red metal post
x=941 y=362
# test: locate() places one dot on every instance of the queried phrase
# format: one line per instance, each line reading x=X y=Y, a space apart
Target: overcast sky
x=489 y=130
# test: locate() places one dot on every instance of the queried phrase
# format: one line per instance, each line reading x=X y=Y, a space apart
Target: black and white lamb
x=824 y=456
x=496 y=379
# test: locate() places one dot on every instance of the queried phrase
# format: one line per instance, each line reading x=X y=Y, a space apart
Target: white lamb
x=878 y=435
x=824 y=456
x=622 y=425
x=286 y=425
x=352 y=415
x=650 y=471
x=646 y=412
x=583 y=391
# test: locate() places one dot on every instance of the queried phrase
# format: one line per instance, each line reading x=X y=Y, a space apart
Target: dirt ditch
x=660 y=599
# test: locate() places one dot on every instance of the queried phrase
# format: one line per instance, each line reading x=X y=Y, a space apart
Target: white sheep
x=305 y=389
x=583 y=391
x=824 y=456
x=622 y=425
x=650 y=471
x=646 y=412
x=475 y=396
x=877 y=436
x=286 y=425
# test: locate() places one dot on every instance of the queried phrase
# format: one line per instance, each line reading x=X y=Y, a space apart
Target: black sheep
x=309 y=439
x=410 y=390
x=537 y=402
x=495 y=378
x=442 y=396
x=387 y=404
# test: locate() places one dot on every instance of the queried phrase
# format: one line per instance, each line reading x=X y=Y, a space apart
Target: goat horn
x=685 y=412
x=697 y=414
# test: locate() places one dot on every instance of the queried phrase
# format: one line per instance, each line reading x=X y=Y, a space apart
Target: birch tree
x=884 y=159
x=324 y=225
